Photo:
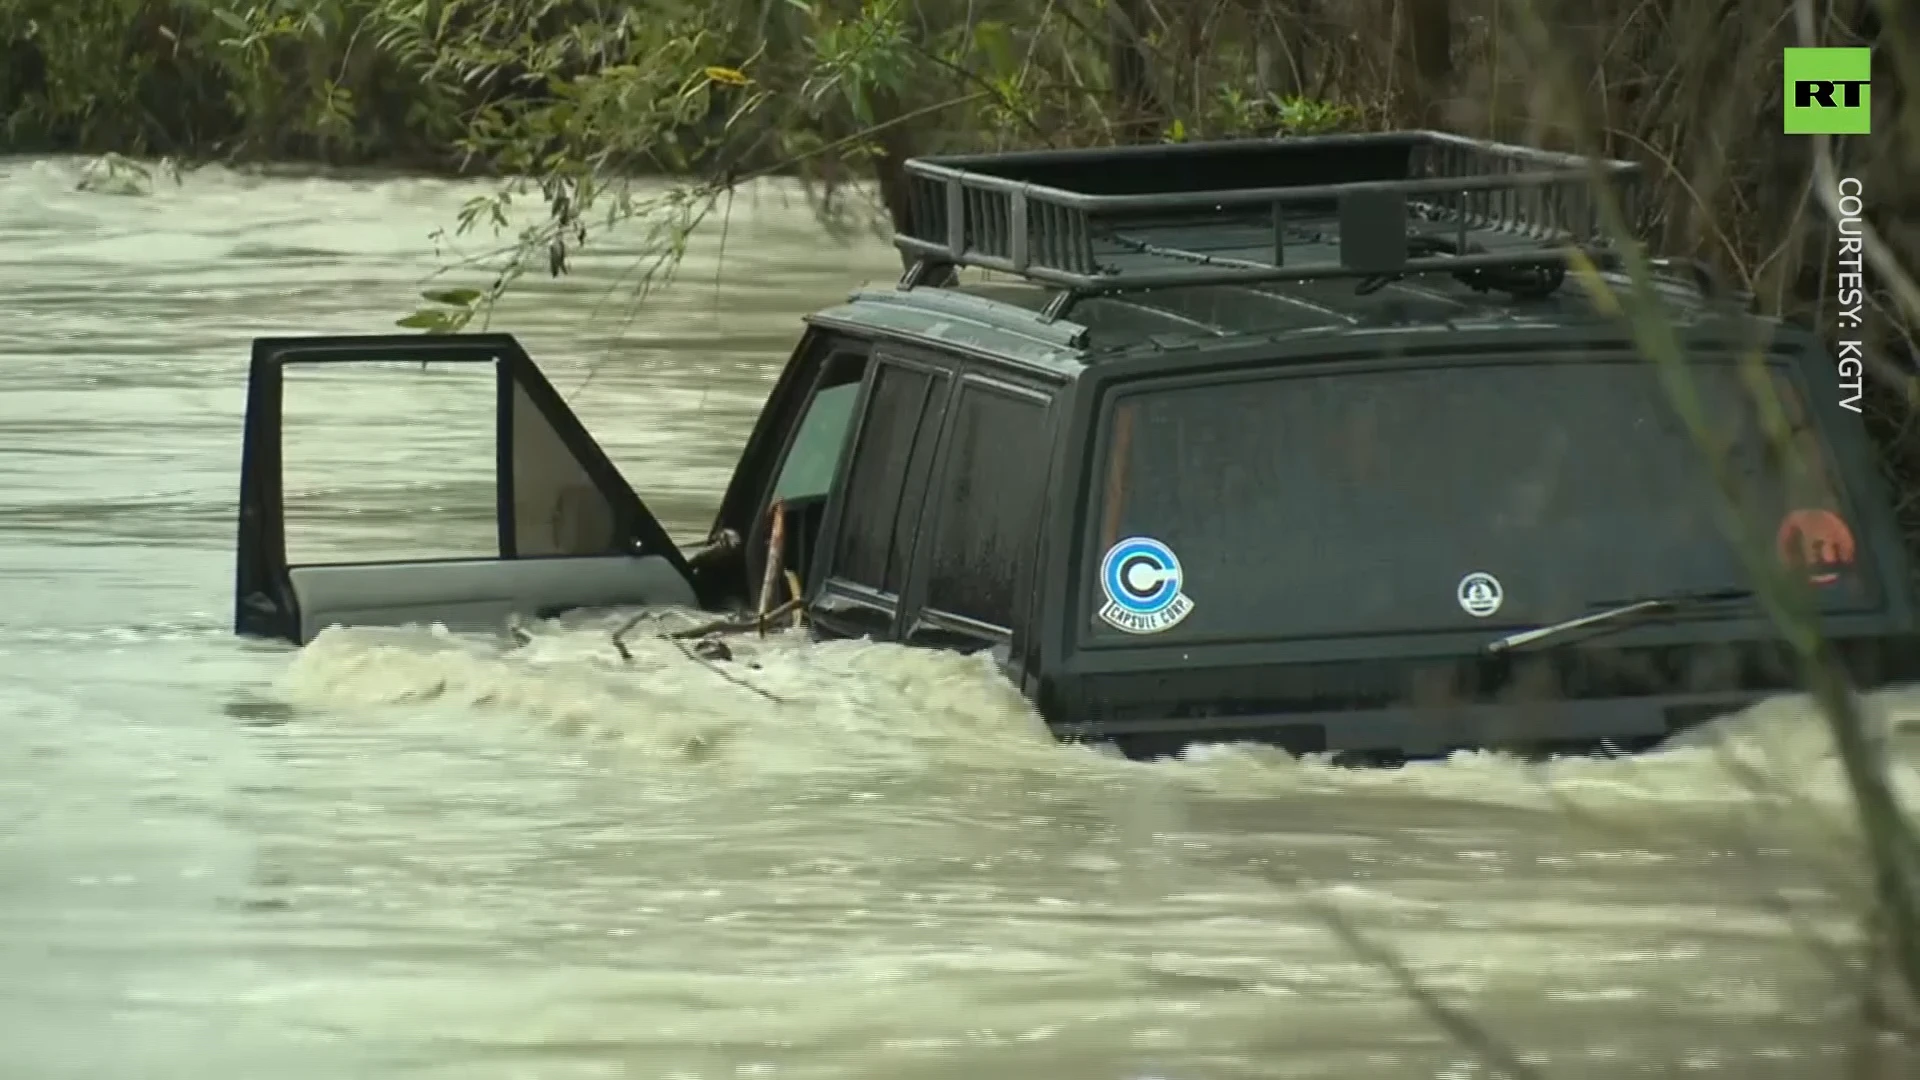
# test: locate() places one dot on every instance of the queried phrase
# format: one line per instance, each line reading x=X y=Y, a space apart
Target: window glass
x=990 y=501
x=815 y=454
x=1359 y=502
x=557 y=509
x=390 y=461
x=878 y=477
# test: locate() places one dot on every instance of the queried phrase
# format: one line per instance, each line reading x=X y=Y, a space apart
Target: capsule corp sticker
x=1480 y=594
x=1141 y=578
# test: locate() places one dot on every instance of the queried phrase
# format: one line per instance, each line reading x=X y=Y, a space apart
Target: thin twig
x=730 y=625
x=687 y=651
x=796 y=597
x=736 y=625
x=620 y=635
x=776 y=552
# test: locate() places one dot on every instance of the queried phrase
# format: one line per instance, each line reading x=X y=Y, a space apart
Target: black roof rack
x=1373 y=206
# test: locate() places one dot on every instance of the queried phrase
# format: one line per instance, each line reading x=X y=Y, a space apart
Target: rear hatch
x=1269 y=545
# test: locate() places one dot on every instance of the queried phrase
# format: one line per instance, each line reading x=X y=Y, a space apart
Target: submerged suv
x=1298 y=441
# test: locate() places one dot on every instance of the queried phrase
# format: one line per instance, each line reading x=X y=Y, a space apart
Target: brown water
x=399 y=854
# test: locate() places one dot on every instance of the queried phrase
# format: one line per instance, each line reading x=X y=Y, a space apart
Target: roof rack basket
x=1251 y=210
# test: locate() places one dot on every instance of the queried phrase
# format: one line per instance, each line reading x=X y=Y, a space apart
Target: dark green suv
x=1303 y=441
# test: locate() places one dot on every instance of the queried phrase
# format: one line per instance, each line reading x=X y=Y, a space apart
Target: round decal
x=1480 y=594
x=1141 y=579
x=1817 y=542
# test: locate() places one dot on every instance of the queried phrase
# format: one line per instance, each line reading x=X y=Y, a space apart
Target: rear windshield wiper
x=1613 y=616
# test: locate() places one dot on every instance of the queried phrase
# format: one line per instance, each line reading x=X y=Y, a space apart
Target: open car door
x=567 y=531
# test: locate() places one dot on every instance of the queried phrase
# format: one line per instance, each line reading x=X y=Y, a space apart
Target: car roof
x=1006 y=321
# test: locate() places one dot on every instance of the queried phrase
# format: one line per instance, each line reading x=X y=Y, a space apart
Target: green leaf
x=995 y=43
x=453 y=297
x=425 y=319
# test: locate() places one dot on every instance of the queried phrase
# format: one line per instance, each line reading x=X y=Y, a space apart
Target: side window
x=814 y=457
x=338 y=417
x=863 y=551
x=338 y=422
x=557 y=508
x=990 y=500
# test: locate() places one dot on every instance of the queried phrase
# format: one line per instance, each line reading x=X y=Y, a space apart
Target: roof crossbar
x=1254 y=210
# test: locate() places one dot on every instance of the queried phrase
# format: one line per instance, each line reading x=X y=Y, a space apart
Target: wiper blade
x=1613 y=616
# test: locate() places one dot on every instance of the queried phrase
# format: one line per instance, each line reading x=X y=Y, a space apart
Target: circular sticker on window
x=1480 y=594
x=1818 y=543
x=1141 y=579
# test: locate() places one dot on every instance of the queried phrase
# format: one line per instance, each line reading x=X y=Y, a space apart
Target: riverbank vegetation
x=568 y=100
x=571 y=96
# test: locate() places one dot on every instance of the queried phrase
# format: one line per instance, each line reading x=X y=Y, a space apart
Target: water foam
x=784 y=703
x=781 y=704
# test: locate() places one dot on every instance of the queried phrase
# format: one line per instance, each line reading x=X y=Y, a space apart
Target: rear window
x=1441 y=498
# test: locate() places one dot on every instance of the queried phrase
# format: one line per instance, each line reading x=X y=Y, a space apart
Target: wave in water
x=784 y=705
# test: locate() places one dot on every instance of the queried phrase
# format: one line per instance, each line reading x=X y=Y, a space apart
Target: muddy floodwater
x=400 y=854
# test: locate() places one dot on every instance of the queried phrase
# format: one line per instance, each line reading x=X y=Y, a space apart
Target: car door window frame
x=822 y=355
x=919 y=613
x=785 y=461
x=751 y=487
x=833 y=591
x=266 y=596
x=833 y=352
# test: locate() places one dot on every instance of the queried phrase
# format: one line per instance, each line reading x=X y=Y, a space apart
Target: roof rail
x=1373 y=206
